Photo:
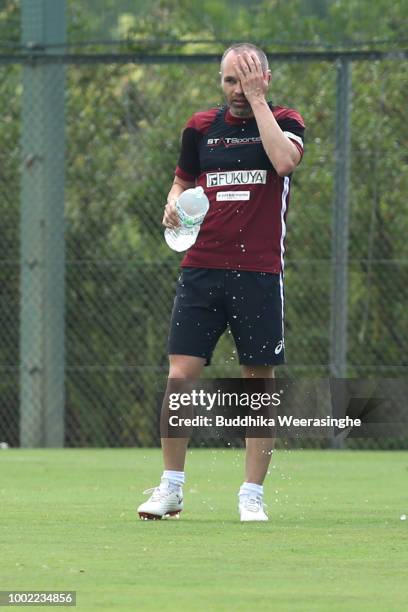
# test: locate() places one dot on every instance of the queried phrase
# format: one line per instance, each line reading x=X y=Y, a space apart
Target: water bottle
x=191 y=207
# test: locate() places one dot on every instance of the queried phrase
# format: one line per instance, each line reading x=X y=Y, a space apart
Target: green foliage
x=123 y=125
x=10 y=25
x=10 y=91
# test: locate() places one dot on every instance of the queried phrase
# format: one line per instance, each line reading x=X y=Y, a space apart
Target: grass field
x=335 y=540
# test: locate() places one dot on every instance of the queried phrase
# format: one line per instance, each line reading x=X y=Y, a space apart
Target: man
x=243 y=156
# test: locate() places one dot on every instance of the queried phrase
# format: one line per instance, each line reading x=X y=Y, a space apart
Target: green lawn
x=334 y=541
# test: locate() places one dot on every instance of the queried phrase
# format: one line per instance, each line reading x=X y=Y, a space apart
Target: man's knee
x=185 y=366
x=257 y=371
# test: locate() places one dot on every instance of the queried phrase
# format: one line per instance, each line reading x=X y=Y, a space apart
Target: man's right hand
x=170 y=217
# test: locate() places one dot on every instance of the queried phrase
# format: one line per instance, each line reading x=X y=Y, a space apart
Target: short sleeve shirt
x=245 y=226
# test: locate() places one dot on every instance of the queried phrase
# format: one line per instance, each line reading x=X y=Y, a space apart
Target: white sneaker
x=251 y=508
x=165 y=501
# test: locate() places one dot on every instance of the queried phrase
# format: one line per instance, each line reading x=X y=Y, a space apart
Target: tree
x=123 y=128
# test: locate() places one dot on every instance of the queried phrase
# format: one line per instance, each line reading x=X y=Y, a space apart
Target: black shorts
x=250 y=303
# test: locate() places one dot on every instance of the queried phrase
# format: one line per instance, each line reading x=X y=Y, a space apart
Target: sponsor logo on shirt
x=227 y=196
x=231 y=142
x=236 y=177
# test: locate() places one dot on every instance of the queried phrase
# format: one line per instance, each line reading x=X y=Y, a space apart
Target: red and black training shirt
x=246 y=224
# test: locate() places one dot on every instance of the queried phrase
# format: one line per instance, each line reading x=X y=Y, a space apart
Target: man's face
x=231 y=86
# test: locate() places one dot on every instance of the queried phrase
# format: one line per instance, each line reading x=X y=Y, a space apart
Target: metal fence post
x=42 y=231
x=340 y=225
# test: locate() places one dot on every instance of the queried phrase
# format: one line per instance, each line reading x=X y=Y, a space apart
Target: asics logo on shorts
x=236 y=177
x=279 y=347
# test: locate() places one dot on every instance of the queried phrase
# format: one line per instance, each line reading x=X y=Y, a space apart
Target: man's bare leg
x=174 y=449
x=258 y=450
x=167 y=499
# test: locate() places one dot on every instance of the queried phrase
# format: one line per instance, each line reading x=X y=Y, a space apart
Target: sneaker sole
x=146 y=516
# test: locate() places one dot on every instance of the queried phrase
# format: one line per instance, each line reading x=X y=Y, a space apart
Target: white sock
x=248 y=488
x=174 y=478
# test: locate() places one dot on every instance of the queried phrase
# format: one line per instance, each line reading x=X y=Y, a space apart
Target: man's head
x=230 y=82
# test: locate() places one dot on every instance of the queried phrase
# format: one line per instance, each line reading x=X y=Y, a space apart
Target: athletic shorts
x=208 y=301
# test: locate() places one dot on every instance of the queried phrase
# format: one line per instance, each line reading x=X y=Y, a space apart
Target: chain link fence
x=123 y=123
x=10 y=87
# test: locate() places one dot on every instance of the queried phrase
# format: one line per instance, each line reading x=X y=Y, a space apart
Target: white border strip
x=285 y=191
x=294 y=137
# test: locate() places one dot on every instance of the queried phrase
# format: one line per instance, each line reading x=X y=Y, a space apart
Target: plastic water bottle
x=191 y=207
